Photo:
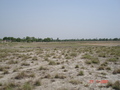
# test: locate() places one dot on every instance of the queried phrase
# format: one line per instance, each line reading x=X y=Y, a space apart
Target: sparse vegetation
x=37 y=83
x=60 y=76
x=113 y=59
x=21 y=75
x=52 y=63
x=76 y=66
x=101 y=68
x=73 y=54
x=108 y=68
x=73 y=81
x=86 y=56
x=25 y=64
x=27 y=86
x=81 y=73
x=63 y=67
x=34 y=58
x=9 y=86
x=88 y=62
x=12 y=62
x=42 y=68
x=116 y=71
x=69 y=65
x=102 y=55
x=48 y=76
x=115 y=86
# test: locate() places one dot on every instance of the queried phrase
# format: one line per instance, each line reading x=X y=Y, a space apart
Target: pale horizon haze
x=64 y=19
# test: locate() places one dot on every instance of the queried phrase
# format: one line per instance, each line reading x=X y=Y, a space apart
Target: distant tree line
x=33 y=39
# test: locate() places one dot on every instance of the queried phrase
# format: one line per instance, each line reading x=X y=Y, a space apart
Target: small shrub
x=12 y=62
x=88 y=62
x=76 y=66
x=10 y=86
x=37 y=83
x=86 y=56
x=116 y=85
x=1 y=68
x=81 y=73
x=16 y=69
x=27 y=86
x=31 y=75
x=102 y=55
x=82 y=67
x=113 y=59
x=108 y=68
x=60 y=76
x=52 y=54
x=109 y=84
x=42 y=68
x=103 y=73
x=46 y=59
x=95 y=60
x=63 y=88
x=48 y=76
x=104 y=64
x=63 y=67
x=25 y=64
x=75 y=82
x=5 y=72
x=52 y=63
x=73 y=54
x=101 y=68
x=20 y=75
x=58 y=63
x=56 y=76
x=0 y=84
x=117 y=71
x=65 y=70
x=47 y=55
x=34 y=58
x=68 y=57
x=86 y=85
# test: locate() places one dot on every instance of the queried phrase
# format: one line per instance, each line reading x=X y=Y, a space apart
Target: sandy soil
x=59 y=65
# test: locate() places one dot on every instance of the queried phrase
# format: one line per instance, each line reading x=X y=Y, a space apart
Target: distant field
x=60 y=65
x=62 y=44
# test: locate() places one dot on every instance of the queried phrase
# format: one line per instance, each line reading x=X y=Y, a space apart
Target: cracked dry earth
x=59 y=68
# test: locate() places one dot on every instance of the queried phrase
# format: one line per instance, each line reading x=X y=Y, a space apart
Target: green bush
x=60 y=76
x=108 y=68
x=102 y=55
x=101 y=68
x=116 y=71
x=86 y=56
x=115 y=86
x=73 y=54
x=113 y=59
x=81 y=73
x=95 y=60
x=52 y=63
x=88 y=62
x=37 y=83
x=42 y=68
x=75 y=82
x=27 y=86
x=76 y=66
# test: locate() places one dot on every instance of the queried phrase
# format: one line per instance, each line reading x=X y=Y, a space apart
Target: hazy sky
x=64 y=19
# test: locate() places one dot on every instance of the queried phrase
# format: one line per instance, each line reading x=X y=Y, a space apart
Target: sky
x=63 y=19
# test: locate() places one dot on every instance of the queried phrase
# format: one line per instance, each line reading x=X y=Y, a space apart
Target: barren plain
x=92 y=65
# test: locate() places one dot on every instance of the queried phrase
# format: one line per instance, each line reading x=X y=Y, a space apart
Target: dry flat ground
x=60 y=66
